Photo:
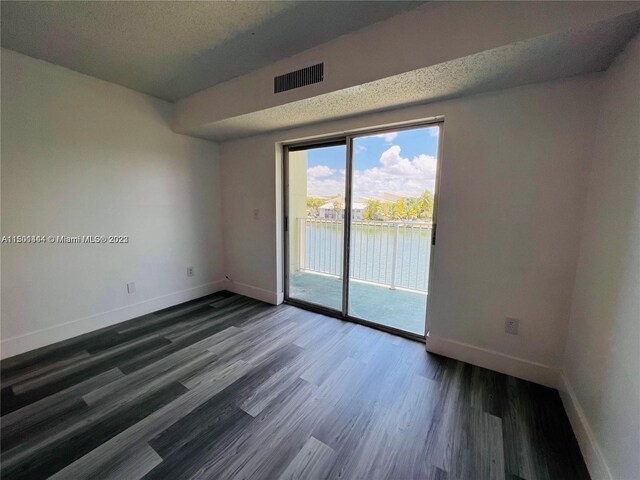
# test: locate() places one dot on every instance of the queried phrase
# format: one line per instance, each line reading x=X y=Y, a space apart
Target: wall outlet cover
x=190 y=272
x=131 y=288
x=511 y=326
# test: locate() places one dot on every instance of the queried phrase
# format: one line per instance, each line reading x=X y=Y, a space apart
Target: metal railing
x=391 y=253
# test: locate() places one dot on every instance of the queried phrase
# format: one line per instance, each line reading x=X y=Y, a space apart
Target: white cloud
x=396 y=174
x=433 y=131
x=388 y=137
x=320 y=171
x=326 y=187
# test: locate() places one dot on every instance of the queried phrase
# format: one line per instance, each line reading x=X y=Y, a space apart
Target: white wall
x=83 y=156
x=602 y=358
x=514 y=176
x=297 y=205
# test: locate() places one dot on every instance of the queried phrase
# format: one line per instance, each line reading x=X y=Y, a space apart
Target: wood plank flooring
x=226 y=387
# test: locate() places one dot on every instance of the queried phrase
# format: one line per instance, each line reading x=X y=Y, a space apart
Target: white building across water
x=336 y=211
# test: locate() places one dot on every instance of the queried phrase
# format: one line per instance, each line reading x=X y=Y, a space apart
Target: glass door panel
x=393 y=188
x=315 y=232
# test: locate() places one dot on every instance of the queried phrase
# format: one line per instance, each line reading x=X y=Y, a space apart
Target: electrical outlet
x=131 y=288
x=511 y=326
x=190 y=272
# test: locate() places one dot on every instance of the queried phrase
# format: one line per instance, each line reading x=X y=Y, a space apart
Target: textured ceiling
x=173 y=49
x=546 y=58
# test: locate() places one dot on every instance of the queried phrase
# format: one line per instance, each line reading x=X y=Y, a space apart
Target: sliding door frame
x=347 y=139
x=306 y=145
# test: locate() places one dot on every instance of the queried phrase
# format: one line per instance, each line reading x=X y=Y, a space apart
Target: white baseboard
x=589 y=447
x=254 y=292
x=46 y=336
x=492 y=360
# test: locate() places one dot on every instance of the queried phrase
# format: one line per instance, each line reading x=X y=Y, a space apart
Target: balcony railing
x=391 y=253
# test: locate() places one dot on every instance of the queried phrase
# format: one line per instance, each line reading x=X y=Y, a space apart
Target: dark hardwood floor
x=229 y=387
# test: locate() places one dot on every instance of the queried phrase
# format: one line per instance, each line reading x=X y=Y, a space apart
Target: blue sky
x=394 y=162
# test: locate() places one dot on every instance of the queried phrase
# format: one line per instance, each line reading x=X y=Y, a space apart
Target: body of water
x=374 y=246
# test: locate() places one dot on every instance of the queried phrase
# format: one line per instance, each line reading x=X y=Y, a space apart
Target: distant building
x=357 y=210
x=329 y=211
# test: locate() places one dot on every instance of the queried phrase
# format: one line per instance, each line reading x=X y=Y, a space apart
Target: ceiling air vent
x=299 y=78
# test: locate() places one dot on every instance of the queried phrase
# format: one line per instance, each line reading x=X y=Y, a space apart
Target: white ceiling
x=172 y=49
x=545 y=58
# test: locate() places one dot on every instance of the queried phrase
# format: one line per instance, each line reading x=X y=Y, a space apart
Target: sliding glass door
x=393 y=187
x=315 y=199
x=363 y=204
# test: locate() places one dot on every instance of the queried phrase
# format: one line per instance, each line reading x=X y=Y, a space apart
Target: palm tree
x=425 y=202
x=413 y=212
x=372 y=210
x=313 y=205
x=338 y=207
x=400 y=210
x=386 y=211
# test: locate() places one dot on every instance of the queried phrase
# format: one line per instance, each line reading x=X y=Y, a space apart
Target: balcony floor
x=376 y=303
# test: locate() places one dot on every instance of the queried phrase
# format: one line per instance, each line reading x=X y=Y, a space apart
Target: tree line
x=412 y=208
